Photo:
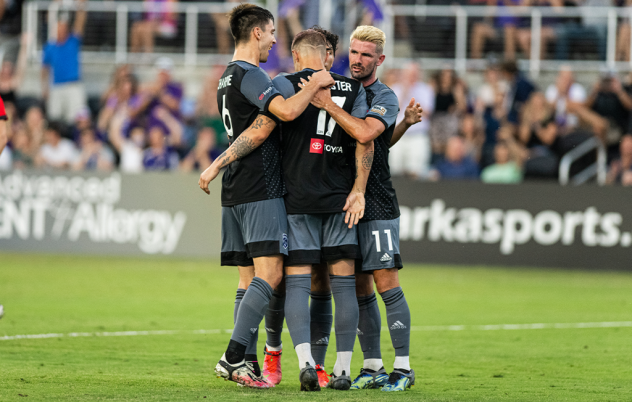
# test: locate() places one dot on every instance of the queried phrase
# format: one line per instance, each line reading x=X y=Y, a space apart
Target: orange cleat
x=272 y=366
x=323 y=377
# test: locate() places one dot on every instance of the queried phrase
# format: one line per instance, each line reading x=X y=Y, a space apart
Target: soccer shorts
x=379 y=244
x=254 y=229
x=320 y=237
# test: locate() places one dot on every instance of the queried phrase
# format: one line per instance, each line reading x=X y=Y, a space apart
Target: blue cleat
x=370 y=379
x=399 y=380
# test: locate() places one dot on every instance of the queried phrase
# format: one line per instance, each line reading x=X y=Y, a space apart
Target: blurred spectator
x=610 y=101
x=120 y=73
x=547 y=31
x=12 y=75
x=623 y=36
x=130 y=149
x=623 y=165
x=505 y=169
x=412 y=155
x=591 y=26
x=203 y=153
x=35 y=126
x=94 y=154
x=10 y=28
x=520 y=90
x=504 y=25
x=56 y=152
x=566 y=96
x=159 y=20
x=471 y=131
x=65 y=92
x=159 y=156
x=450 y=101
x=539 y=134
x=492 y=87
x=222 y=31
x=456 y=165
x=162 y=94
x=122 y=99
x=23 y=155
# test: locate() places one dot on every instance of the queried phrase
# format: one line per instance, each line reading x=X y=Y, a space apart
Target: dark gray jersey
x=381 y=200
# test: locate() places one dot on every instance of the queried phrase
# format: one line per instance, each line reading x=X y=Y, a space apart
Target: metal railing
x=598 y=169
x=40 y=15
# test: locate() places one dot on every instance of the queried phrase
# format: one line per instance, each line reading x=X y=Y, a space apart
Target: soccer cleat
x=1 y=311
x=272 y=366
x=399 y=380
x=370 y=379
x=341 y=382
x=242 y=373
x=323 y=377
x=308 y=379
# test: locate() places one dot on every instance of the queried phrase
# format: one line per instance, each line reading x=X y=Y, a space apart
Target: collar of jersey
x=243 y=61
x=374 y=82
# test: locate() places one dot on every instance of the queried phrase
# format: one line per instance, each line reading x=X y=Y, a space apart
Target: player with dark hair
x=322 y=183
x=254 y=222
x=378 y=231
x=332 y=45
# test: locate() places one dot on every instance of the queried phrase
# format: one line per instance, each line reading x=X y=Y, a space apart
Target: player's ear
x=380 y=60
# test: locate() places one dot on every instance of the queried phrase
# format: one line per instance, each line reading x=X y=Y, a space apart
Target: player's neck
x=370 y=80
x=313 y=63
x=247 y=53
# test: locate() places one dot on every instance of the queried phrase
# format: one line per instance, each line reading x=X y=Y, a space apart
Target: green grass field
x=54 y=294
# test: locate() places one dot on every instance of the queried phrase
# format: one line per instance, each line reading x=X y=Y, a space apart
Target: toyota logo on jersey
x=316 y=146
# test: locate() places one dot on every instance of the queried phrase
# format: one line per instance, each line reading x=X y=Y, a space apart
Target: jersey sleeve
x=385 y=107
x=284 y=86
x=257 y=87
x=3 y=113
x=360 y=106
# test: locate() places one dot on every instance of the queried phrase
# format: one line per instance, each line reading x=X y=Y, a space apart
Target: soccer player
x=318 y=167
x=378 y=231
x=254 y=222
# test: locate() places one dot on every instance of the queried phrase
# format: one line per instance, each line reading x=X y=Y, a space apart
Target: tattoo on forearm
x=367 y=160
x=242 y=146
x=357 y=166
x=224 y=159
x=262 y=121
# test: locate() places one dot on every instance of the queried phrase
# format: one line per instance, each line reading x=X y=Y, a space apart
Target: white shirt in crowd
x=64 y=153
x=6 y=159
x=131 y=157
x=576 y=93
x=424 y=95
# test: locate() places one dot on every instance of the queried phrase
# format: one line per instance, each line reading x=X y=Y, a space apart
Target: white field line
x=499 y=327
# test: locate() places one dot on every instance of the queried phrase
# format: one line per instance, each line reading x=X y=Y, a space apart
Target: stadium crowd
x=505 y=130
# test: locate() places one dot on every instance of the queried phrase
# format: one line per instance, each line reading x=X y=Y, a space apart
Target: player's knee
x=386 y=279
x=364 y=284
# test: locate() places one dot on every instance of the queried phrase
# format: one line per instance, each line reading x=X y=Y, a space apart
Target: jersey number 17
x=322 y=118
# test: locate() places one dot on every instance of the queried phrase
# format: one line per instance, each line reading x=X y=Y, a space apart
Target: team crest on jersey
x=285 y=242
x=379 y=110
x=316 y=146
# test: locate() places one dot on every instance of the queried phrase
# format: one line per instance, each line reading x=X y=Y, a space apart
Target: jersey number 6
x=226 y=118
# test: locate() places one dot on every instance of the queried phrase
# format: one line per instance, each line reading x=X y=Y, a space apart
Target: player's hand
x=321 y=98
x=413 y=113
x=354 y=208
x=206 y=177
x=322 y=79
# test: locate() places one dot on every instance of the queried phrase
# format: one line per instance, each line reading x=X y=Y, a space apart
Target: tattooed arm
x=247 y=142
x=355 y=201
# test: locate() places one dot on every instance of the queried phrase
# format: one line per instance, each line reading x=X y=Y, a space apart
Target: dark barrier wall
x=529 y=224
x=160 y=214
x=448 y=222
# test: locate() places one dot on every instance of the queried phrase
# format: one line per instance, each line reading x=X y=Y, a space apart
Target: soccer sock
x=321 y=318
x=251 y=310
x=398 y=319
x=347 y=315
x=297 y=289
x=343 y=363
x=369 y=327
x=238 y=298
x=402 y=362
x=274 y=320
x=304 y=353
x=251 y=349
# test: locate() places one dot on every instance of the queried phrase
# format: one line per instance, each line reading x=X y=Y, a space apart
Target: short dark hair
x=57 y=127
x=309 y=37
x=510 y=67
x=331 y=37
x=244 y=18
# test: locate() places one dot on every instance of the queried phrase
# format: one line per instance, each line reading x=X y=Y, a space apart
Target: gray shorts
x=320 y=237
x=254 y=229
x=379 y=243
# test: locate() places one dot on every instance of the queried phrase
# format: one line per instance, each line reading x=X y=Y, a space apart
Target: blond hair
x=367 y=33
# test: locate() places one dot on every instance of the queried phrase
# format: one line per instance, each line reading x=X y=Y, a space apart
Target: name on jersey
x=342 y=86
x=317 y=146
x=225 y=82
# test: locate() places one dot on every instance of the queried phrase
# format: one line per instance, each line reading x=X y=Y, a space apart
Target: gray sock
x=251 y=310
x=251 y=349
x=369 y=326
x=321 y=318
x=398 y=319
x=274 y=319
x=347 y=314
x=297 y=289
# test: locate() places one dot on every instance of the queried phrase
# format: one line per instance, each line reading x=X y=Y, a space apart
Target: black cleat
x=309 y=379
